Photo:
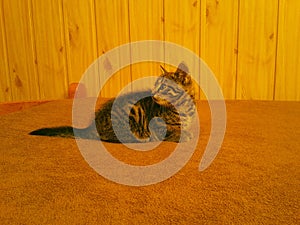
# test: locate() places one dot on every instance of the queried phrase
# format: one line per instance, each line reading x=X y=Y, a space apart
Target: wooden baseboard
x=10 y=107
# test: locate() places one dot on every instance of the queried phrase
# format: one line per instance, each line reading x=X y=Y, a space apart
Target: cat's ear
x=183 y=74
x=182 y=68
x=163 y=70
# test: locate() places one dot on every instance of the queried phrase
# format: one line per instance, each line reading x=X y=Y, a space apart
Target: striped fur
x=171 y=100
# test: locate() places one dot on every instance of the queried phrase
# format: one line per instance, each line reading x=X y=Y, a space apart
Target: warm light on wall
x=251 y=46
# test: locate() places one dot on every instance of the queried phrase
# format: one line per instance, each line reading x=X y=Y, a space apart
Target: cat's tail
x=66 y=132
x=55 y=131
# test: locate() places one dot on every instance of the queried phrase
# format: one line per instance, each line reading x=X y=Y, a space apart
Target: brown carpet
x=255 y=178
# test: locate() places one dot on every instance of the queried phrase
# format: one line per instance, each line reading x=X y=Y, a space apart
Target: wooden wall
x=252 y=46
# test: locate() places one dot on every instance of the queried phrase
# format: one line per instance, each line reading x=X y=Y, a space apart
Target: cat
x=171 y=105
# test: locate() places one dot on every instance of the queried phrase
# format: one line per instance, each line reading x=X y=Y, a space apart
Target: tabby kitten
x=165 y=113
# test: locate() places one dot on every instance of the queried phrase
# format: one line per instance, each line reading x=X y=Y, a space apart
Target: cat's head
x=169 y=87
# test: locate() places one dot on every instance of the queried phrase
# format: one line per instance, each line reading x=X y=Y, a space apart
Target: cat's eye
x=162 y=87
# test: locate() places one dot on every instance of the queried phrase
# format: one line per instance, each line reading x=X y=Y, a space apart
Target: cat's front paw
x=186 y=136
x=158 y=129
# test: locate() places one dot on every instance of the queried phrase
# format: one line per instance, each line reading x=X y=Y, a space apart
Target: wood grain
x=182 y=26
x=80 y=33
x=221 y=43
x=21 y=52
x=288 y=67
x=146 y=23
x=112 y=30
x=257 y=49
x=203 y=28
x=50 y=48
x=251 y=46
x=5 y=85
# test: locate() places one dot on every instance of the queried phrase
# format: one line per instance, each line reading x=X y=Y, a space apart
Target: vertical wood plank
x=257 y=49
x=221 y=43
x=288 y=66
x=5 y=86
x=112 y=27
x=203 y=28
x=20 y=50
x=182 y=23
x=50 y=48
x=146 y=23
x=182 y=26
x=80 y=33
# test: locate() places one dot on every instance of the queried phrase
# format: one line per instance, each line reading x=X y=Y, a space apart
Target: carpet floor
x=255 y=178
